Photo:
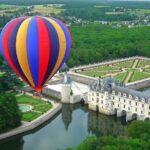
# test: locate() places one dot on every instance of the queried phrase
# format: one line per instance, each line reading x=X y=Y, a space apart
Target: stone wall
x=51 y=93
x=139 y=84
x=32 y=125
x=108 y=62
x=65 y=94
x=81 y=78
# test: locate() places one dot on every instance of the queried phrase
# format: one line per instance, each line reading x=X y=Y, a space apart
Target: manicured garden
x=139 y=69
x=125 y=64
x=143 y=63
x=101 y=71
x=39 y=107
x=139 y=76
x=121 y=77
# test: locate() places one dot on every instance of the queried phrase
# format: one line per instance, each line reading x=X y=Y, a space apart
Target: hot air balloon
x=35 y=48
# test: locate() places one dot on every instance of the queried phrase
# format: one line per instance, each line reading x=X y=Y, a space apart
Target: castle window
x=130 y=96
x=92 y=99
x=136 y=109
x=112 y=103
x=136 y=103
x=142 y=105
x=149 y=107
x=102 y=96
x=128 y=108
x=141 y=112
x=97 y=100
x=113 y=97
x=119 y=99
x=148 y=113
x=101 y=102
x=124 y=106
x=136 y=98
x=124 y=100
x=129 y=102
x=92 y=94
x=118 y=105
x=97 y=94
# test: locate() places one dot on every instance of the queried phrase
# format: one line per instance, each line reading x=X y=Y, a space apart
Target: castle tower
x=66 y=89
x=101 y=84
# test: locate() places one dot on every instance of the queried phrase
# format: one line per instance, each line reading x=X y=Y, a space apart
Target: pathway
x=130 y=73
x=135 y=63
x=128 y=77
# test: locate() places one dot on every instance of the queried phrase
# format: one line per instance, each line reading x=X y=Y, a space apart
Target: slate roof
x=109 y=84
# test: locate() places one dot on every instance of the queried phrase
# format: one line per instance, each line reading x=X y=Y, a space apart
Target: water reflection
x=67 y=114
x=101 y=125
x=67 y=129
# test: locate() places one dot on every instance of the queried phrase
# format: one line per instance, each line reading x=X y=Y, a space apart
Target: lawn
x=93 y=73
x=105 y=68
x=100 y=71
x=147 y=70
x=29 y=116
x=39 y=107
x=143 y=63
x=125 y=64
x=44 y=9
x=42 y=108
x=121 y=76
x=132 y=69
x=29 y=100
x=139 y=76
x=115 y=70
x=3 y=6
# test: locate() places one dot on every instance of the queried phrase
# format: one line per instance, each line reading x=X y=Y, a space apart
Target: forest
x=95 y=43
x=10 y=115
x=96 y=11
x=136 y=137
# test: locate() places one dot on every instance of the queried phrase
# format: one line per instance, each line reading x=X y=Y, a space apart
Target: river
x=67 y=129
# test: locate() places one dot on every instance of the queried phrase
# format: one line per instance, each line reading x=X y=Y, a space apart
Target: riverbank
x=28 y=126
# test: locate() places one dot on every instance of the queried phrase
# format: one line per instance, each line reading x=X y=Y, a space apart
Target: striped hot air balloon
x=35 y=48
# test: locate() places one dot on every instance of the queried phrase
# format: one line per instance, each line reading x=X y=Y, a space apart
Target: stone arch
x=82 y=100
x=134 y=116
x=97 y=108
x=147 y=119
x=123 y=113
x=115 y=111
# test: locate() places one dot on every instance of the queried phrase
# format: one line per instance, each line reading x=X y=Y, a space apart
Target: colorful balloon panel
x=35 y=48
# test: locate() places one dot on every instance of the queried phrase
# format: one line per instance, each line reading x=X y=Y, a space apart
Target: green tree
x=139 y=129
x=10 y=115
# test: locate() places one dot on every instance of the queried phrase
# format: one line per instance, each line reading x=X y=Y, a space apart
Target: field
x=126 y=71
x=7 y=6
x=39 y=107
x=48 y=9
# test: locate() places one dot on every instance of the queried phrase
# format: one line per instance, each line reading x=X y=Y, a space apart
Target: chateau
x=110 y=97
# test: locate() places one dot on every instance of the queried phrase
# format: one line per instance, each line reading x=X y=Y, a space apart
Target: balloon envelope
x=35 y=48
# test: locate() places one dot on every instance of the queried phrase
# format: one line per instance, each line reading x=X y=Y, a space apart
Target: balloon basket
x=37 y=95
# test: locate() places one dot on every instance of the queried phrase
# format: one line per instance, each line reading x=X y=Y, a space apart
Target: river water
x=67 y=129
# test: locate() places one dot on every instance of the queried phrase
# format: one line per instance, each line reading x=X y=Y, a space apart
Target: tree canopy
x=94 y=43
x=136 y=138
x=10 y=115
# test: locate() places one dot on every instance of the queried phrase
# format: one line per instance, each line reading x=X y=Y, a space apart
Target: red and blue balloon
x=35 y=48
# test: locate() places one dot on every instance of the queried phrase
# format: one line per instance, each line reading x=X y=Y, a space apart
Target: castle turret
x=66 y=89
